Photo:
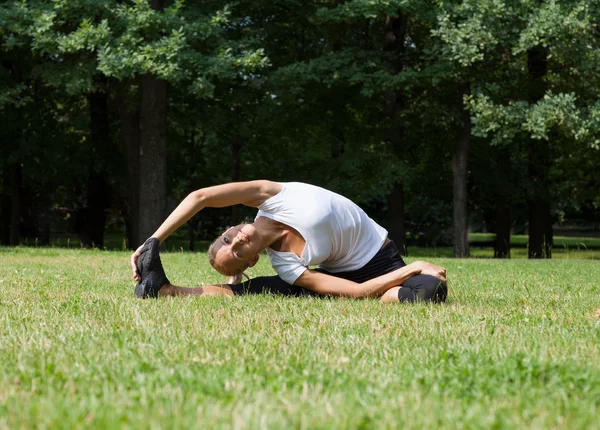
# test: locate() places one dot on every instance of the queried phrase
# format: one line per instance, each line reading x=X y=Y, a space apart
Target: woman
x=298 y=225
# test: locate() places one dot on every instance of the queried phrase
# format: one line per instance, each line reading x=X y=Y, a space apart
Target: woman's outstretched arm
x=251 y=193
x=322 y=283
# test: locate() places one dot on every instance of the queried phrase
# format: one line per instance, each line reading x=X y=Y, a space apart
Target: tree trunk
x=143 y=130
x=5 y=211
x=98 y=189
x=191 y=238
x=503 y=198
x=5 y=220
x=92 y=219
x=393 y=47
x=459 y=173
x=548 y=233
x=15 y=204
x=129 y=114
x=502 y=245
x=540 y=229
x=153 y=155
x=538 y=200
x=192 y=225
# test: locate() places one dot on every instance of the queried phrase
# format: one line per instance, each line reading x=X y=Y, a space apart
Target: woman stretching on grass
x=298 y=225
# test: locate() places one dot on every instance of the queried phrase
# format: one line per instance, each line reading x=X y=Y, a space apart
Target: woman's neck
x=268 y=232
x=279 y=236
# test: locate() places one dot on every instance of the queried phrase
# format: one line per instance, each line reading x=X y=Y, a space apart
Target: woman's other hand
x=134 y=258
x=433 y=270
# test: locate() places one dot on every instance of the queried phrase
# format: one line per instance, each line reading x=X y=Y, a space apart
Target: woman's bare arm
x=251 y=193
x=322 y=283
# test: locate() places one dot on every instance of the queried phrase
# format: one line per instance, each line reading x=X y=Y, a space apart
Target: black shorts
x=418 y=288
x=386 y=260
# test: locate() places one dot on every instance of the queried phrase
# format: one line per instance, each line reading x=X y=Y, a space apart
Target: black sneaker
x=150 y=270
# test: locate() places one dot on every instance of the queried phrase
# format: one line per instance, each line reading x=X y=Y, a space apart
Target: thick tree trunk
x=129 y=114
x=192 y=225
x=459 y=173
x=540 y=229
x=153 y=155
x=143 y=131
x=92 y=219
x=12 y=210
x=393 y=47
x=98 y=189
x=502 y=244
x=5 y=221
x=538 y=201
x=548 y=233
x=502 y=215
x=15 y=204
x=5 y=210
x=191 y=236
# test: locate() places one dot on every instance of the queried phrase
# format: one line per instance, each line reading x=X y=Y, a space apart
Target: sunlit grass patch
x=516 y=345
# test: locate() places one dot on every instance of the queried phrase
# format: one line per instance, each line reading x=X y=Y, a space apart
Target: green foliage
x=558 y=112
x=118 y=39
x=297 y=91
x=565 y=27
x=357 y=9
x=466 y=40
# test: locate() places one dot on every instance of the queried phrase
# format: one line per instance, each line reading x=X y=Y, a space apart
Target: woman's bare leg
x=169 y=290
x=390 y=296
x=260 y=285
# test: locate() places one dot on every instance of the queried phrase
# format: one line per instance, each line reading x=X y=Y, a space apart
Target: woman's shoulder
x=270 y=188
x=260 y=191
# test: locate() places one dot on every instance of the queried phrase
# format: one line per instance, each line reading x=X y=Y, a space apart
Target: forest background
x=435 y=116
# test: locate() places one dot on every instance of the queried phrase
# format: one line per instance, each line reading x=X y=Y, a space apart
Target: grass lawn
x=521 y=240
x=558 y=253
x=515 y=346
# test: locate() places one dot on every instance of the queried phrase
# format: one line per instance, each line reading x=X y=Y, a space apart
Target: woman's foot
x=151 y=270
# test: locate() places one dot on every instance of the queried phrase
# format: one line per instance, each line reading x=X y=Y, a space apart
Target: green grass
x=522 y=240
x=515 y=253
x=515 y=346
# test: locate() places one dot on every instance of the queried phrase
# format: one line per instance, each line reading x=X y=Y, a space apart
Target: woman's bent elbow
x=196 y=197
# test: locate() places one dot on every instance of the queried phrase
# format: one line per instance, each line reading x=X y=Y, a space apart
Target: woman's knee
x=423 y=288
x=390 y=296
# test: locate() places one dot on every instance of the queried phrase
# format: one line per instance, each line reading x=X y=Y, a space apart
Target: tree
x=549 y=55
x=147 y=46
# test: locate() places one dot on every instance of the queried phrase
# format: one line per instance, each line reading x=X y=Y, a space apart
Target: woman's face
x=235 y=249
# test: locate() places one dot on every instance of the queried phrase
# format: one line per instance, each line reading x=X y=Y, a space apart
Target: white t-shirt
x=339 y=235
